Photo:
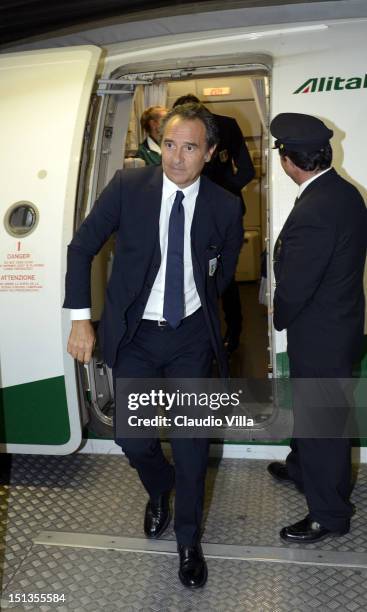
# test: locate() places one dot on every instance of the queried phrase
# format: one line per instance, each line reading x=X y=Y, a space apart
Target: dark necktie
x=173 y=307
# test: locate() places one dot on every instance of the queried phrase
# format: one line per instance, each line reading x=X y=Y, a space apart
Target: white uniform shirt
x=153 y=145
x=303 y=186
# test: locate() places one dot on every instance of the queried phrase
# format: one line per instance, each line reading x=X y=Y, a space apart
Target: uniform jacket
x=130 y=207
x=319 y=261
x=231 y=150
x=151 y=158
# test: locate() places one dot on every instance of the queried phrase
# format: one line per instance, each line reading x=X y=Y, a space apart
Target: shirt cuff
x=78 y=314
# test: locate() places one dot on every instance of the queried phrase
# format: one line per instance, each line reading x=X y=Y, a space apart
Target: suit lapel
x=152 y=193
x=200 y=228
x=200 y=234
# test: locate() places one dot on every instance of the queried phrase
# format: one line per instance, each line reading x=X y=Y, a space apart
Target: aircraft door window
x=21 y=219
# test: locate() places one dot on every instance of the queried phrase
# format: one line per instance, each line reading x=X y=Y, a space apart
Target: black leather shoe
x=193 y=572
x=279 y=472
x=157 y=516
x=308 y=531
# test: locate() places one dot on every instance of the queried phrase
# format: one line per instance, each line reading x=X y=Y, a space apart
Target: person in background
x=319 y=259
x=149 y=150
x=230 y=167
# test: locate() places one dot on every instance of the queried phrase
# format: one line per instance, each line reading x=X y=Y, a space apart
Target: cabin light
x=267 y=89
x=216 y=91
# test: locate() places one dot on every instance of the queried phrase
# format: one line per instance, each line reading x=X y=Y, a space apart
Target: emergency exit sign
x=216 y=91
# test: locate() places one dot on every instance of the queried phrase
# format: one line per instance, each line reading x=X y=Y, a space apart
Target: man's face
x=296 y=174
x=184 y=150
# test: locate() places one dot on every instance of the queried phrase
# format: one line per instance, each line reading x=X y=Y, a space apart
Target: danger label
x=20 y=272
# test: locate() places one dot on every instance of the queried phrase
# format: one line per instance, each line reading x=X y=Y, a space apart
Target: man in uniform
x=319 y=299
x=178 y=237
x=230 y=167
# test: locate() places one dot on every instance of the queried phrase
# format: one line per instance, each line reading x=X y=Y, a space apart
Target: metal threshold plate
x=267 y=554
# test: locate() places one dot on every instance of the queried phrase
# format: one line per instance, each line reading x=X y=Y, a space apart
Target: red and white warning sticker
x=19 y=271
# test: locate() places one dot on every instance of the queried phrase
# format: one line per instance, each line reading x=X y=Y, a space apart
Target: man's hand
x=81 y=340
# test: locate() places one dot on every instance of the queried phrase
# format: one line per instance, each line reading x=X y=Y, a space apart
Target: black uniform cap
x=298 y=132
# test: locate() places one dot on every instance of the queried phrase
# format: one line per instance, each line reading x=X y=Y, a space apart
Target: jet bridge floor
x=72 y=526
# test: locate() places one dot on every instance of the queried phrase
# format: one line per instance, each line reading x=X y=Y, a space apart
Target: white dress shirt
x=154 y=306
x=303 y=186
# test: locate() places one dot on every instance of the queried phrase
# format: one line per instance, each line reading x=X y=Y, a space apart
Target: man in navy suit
x=319 y=259
x=178 y=237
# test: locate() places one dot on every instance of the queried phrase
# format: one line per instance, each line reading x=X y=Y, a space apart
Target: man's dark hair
x=315 y=160
x=193 y=111
x=186 y=99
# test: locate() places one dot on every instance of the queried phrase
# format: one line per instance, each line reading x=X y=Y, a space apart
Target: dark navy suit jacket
x=319 y=261
x=231 y=149
x=130 y=207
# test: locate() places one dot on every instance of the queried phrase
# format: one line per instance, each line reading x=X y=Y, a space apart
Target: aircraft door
x=95 y=379
x=44 y=101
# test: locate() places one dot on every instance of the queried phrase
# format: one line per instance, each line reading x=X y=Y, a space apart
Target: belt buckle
x=162 y=323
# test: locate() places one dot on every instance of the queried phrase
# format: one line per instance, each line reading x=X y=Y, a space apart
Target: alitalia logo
x=332 y=83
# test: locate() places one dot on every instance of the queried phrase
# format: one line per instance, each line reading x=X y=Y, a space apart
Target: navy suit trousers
x=163 y=352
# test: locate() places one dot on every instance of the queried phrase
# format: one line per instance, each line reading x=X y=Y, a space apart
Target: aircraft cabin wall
x=233 y=96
